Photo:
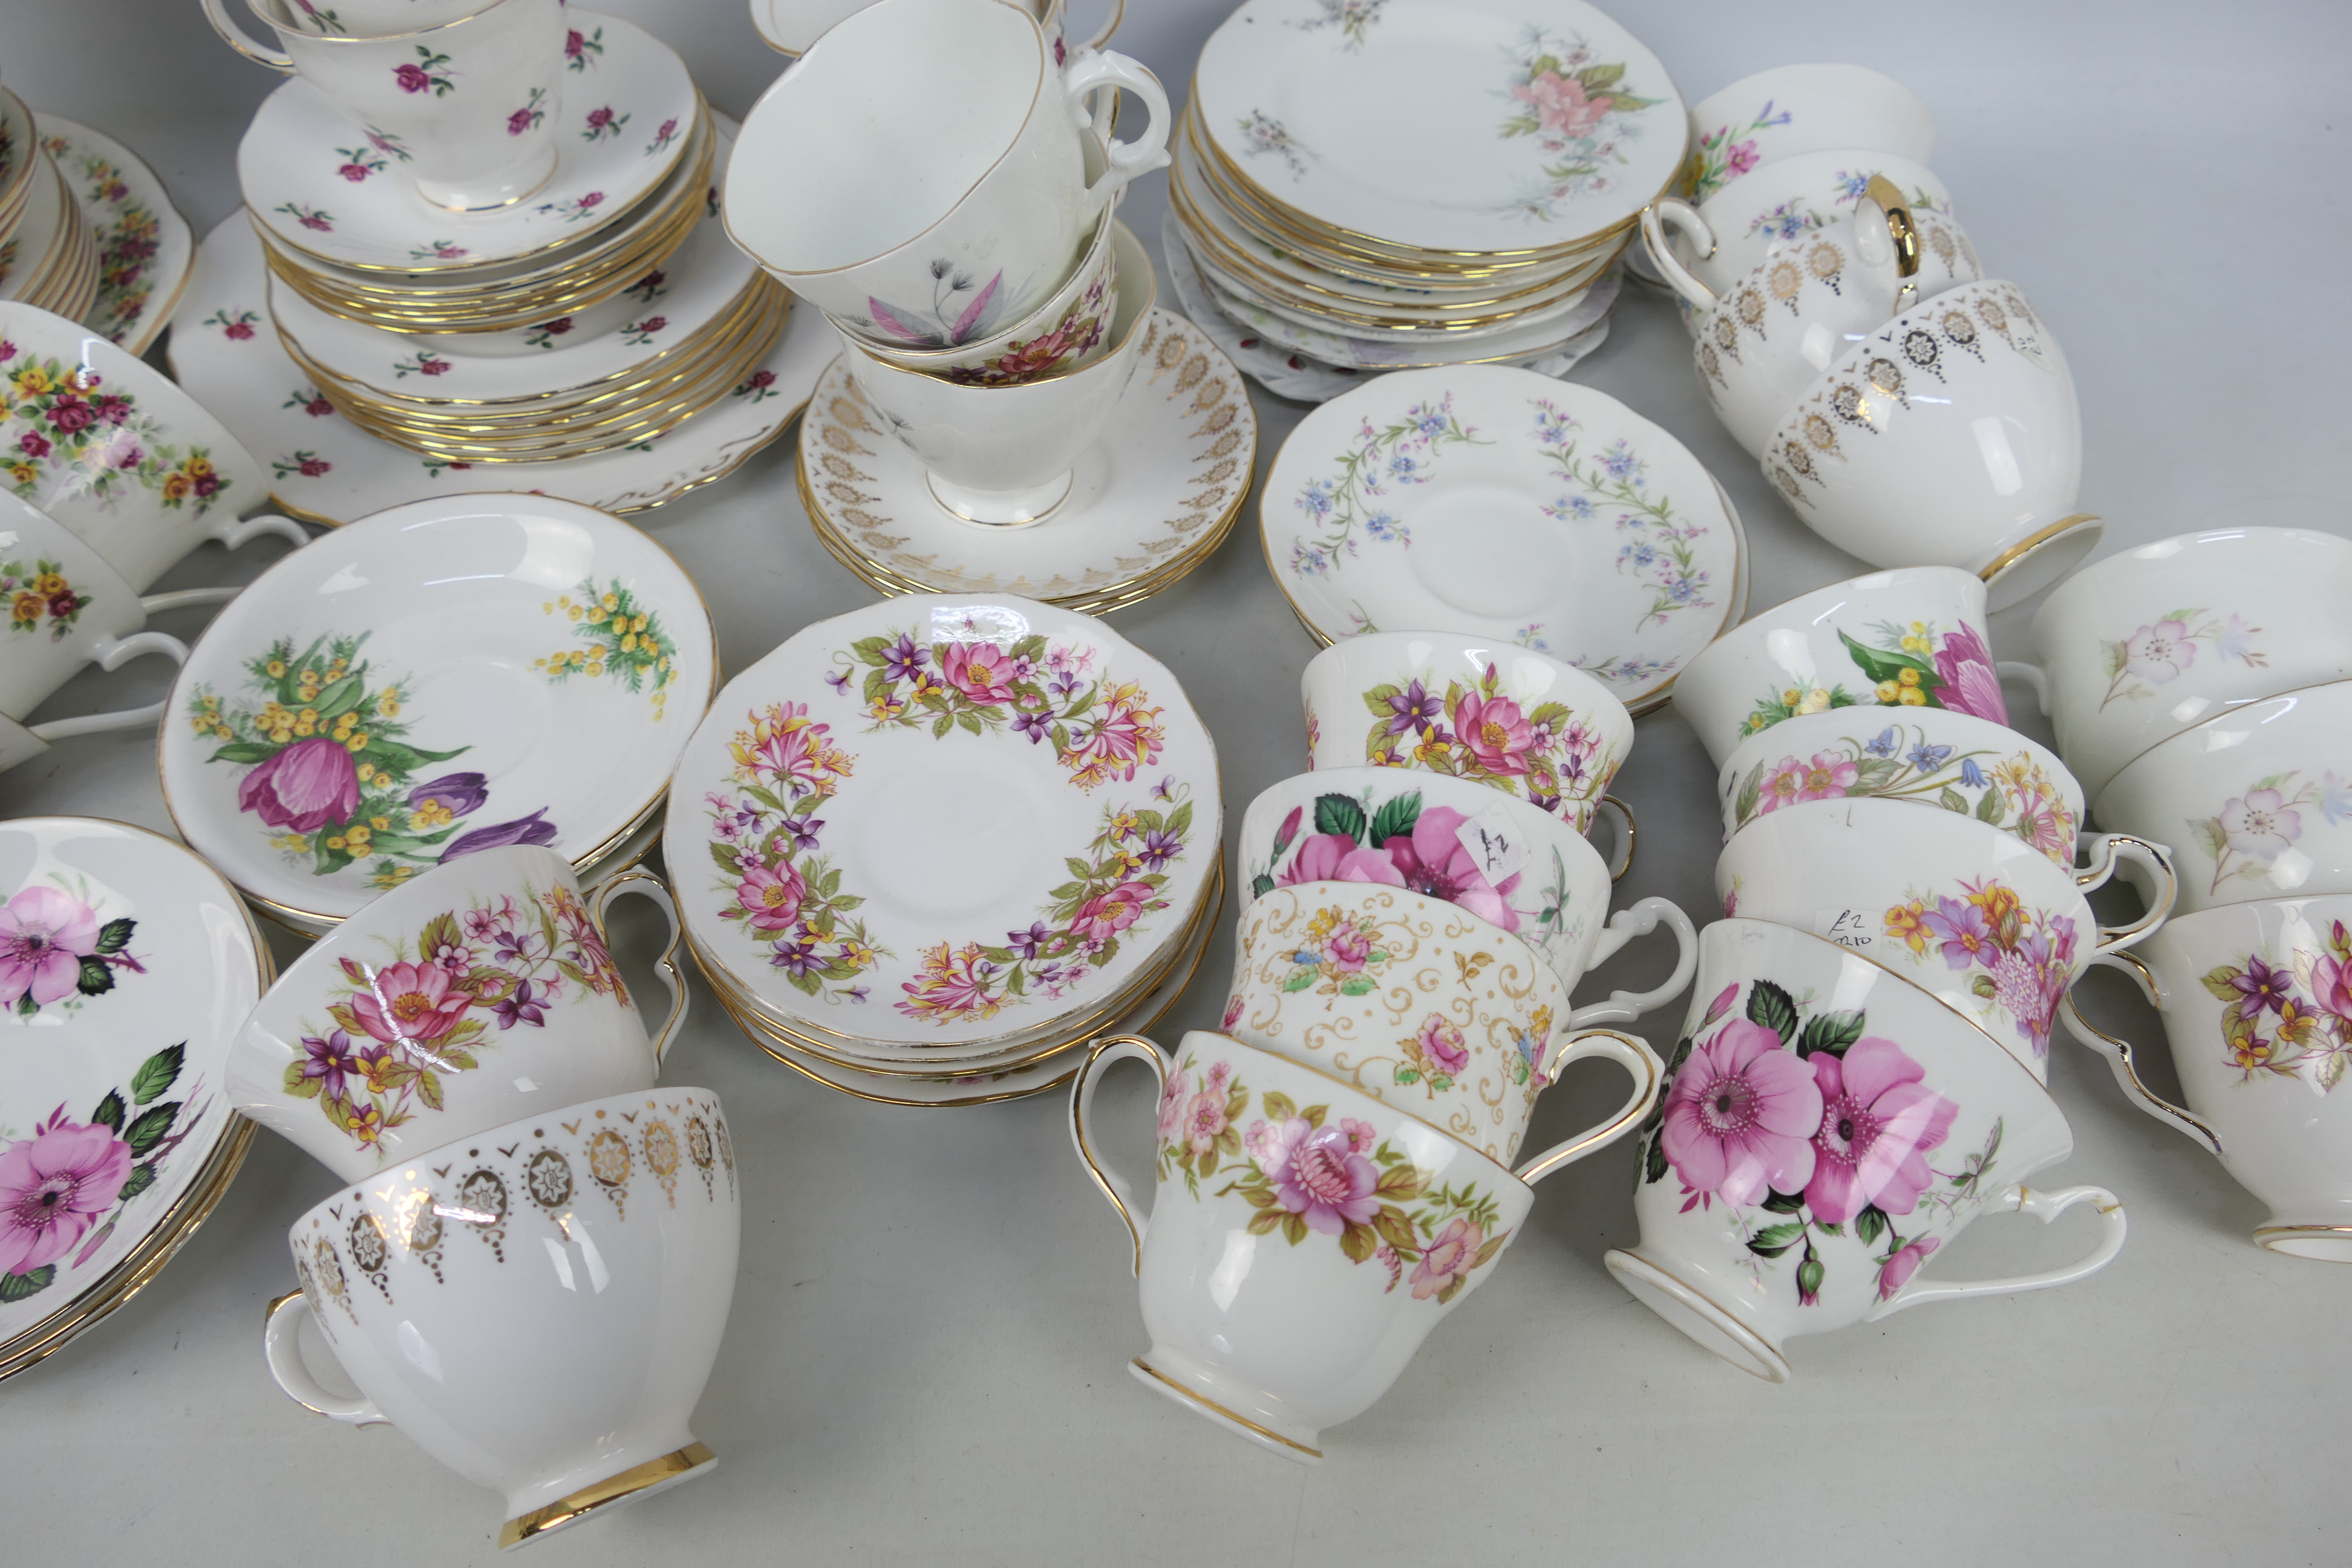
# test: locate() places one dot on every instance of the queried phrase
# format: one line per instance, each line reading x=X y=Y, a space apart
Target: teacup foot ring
x=1705 y=1322
x=633 y=1485
x=1200 y=1403
x=1003 y=510
x=2324 y=1243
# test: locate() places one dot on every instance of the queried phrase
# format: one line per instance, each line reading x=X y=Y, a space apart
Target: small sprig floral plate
x=126 y=966
x=1499 y=503
x=942 y=823
x=443 y=677
x=627 y=122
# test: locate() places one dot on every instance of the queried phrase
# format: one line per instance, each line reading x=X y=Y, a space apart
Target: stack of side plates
x=49 y=251
x=1408 y=184
x=946 y=842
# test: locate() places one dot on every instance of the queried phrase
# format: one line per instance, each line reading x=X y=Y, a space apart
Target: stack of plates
x=945 y=843
x=49 y=251
x=1405 y=184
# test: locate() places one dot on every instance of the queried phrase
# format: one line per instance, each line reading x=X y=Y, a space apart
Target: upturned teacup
x=537 y=1306
x=1304 y=1238
x=1968 y=913
x=1910 y=638
x=1930 y=756
x=475 y=993
x=1421 y=1003
x=66 y=608
x=1827 y=1129
x=1778 y=114
x=1948 y=436
x=2143 y=645
x=2256 y=1000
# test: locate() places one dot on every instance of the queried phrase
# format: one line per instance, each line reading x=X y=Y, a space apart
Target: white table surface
x=926 y=1359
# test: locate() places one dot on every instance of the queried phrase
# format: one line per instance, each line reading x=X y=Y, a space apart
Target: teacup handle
x=112 y=655
x=2045 y=1206
x=281 y=1343
x=2121 y=1061
x=1684 y=217
x=1092 y=69
x=2030 y=676
x=237 y=38
x=646 y=885
x=186 y=598
x=1649 y=1079
x=1637 y=919
x=236 y=535
x=2110 y=852
x=1902 y=232
x=1621 y=821
x=1107 y=1052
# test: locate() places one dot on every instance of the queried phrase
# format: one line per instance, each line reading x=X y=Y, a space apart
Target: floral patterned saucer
x=943 y=823
x=1152 y=499
x=145 y=247
x=1516 y=126
x=126 y=966
x=226 y=351
x=1494 y=500
x=630 y=108
x=442 y=677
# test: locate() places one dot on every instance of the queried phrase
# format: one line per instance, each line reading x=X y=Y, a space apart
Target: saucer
x=1493 y=500
x=291 y=171
x=145 y=247
x=1151 y=499
x=225 y=351
x=119 y=1039
x=837 y=889
x=517 y=670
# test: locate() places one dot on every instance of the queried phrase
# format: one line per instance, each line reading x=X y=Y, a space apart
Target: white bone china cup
x=374 y=18
x=1777 y=114
x=67 y=608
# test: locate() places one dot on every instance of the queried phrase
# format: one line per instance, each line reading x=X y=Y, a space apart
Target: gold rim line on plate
x=1194 y=1396
x=671 y=1467
x=1044 y=1039
x=699 y=115
x=12 y=198
x=41 y=274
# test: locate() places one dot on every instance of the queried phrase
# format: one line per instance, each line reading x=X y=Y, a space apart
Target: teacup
x=374 y=19
x=1004 y=456
x=469 y=106
x=482 y=990
x=962 y=209
x=2141 y=646
x=66 y=608
x=121 y=454
x=2257 y=801
x=1420 y=1003
x=1913 y=637
x=1932 y=757
x=536 y=1306
x=1966 y=911
x=1791 y=109
x=1950 y=435
x=2257 y=1005
x=1304 y=1238
x=1828 y=1129
x=790 y=26
x=1509 y=717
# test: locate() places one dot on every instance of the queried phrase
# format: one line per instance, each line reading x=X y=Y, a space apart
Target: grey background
x=927 y=1358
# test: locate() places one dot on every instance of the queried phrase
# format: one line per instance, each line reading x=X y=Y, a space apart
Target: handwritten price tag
x=1494 y=844
x=1847 y=928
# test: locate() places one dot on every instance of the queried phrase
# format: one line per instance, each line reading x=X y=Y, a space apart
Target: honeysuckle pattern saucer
x=327 y=745
x=144 y=246
x=838 y=894
x=1162 y=485
x=1499 y=503
x=627 y=107
x=226 y=351
x=126 y=965
x=1530 y=125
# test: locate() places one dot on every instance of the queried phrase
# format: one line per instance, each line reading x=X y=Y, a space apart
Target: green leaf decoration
x=1358 y=985
x=1751 y=793
x=1341 y=814
x=1395 y=819
x=1396 y=1228
x=1809 y=1276
x=1784 y=1203
x=1872 y=775
x=1280 y=1107
x=1831 y=1032
x=428 y=1088
x=1601 y=78
x=295 y=1084
x=339 y=699
x=1300 y=979
x=1869 y=1224
x=115 y=935
x=1880 y=664
x=2218 y=982
x=1991 y=807
x=17 y=1286
x=245 y=752
x=143 y=1134
x=1376 y=700
x=1776 y=1240
x=1402 y=1181
x=96 y=977
x=157 y=1073
x=1953 y=800
x=941 y=725
x=725 y=854
x=1654 y=1161
x=1770 y=1005
x=1359 y=1241
x=108 y=1113
x=1983 y=986
x=1260 y=886
x=142 y=1178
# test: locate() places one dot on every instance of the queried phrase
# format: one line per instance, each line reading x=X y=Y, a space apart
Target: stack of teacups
x=2201 y=686
x=1874 y=800
x=1411 y=935
x=515 y=258
x=1357 y=185
x=1912 y=411
x=988 y=302
x=49 y=251
x=531 y=1266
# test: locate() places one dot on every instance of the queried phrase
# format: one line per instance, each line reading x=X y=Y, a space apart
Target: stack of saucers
x=49 y=251
x=1376 y=186
x=903 y=952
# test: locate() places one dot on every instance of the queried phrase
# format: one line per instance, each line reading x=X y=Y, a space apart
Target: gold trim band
x=670 y=1467
x=1205 y=1403
x=2026 y=546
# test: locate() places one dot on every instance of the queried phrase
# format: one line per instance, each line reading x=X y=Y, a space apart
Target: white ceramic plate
x=145 y=247
x=442 y=677
x=21 y=258
x=1494 y=500
x=966 y=818
x=126 y=966
x=1448 y=125
x=1169 y=472
x=290 y=160
x=225 y=353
